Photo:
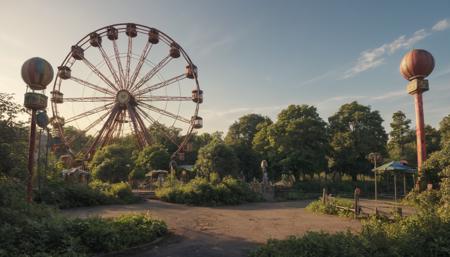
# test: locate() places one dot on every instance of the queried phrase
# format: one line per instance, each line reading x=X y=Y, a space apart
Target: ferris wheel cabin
x=77 y=52
x=131 y=30
x=197 y=122
x=57 y=97
x=64 y=72
x=191 y=71
x=197 y=96
x=153 y=36
x=112 y=33
x=174 y=50
x=95 y=39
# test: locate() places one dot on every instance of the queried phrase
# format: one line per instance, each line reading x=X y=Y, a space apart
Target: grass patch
x=331 y=207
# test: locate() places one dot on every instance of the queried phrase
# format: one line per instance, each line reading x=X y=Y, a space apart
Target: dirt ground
x=223 y=231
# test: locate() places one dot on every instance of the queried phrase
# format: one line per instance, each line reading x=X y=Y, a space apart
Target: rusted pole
x=31 y=147
x=420 y=135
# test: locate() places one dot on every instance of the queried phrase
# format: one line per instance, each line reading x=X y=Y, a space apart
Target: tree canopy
x=112 y=163
x=217 y=157
x=355 y=131
x=240 y=137
x=297 y=141
x=154 y=157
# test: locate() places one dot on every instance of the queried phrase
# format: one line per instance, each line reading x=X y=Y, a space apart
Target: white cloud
x=217 y=44
x=441 y=25
x=372 y=58
x=317 y=78
x=389 y=95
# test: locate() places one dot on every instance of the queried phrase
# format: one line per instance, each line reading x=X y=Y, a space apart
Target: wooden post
x=376 y=187
x=356 y=198
x=404 y=184
x=395 y=187
x=324 y=196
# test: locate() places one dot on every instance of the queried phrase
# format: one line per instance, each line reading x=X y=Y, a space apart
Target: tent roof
x=395 y=166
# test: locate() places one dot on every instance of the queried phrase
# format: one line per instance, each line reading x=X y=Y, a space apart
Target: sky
x=258 y=56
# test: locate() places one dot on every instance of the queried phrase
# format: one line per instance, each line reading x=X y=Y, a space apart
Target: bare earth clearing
x=223 y=231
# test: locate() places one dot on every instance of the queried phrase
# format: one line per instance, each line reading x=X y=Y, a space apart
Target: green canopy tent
x=395 y=167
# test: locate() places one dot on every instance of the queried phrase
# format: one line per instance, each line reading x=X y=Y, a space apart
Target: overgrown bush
x=70 y=195
x=202 y=191
x=426 y=233
x=331 y=207
x=415 y=236
x=37 y=230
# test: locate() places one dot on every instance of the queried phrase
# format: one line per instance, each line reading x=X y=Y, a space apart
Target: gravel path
x=223 y=231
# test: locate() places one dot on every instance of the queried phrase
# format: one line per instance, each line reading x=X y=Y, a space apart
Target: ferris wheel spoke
x=164 y=112
x=92 y=86
x=160 y=85
x=110 y=131
x=101 y=134
x=141 y=123
x=136 y=127
x=119 y=63
x=90 y=112
x=89 y=127
x=129 y=53
x=153 y=122
x=157 y=98
x=99 y=74
x=142 y=59
x=150 y=74
x=90 y=99
x=110 y=66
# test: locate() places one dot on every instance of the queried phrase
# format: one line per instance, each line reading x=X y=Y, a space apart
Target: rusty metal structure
x=415 y=66
x=120 y=80
x=37 y=73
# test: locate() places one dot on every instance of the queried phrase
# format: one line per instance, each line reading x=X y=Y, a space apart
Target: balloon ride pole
x=415 y=67
x=37 y=73
x=31 y=147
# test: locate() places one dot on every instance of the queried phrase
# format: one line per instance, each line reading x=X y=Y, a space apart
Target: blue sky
x=258 y=56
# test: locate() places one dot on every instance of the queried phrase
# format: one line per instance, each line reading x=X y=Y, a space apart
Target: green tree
x=240 y=137
x=112 y=163
x=400 y=136
x=436 y=163
x=13 y=139
x=444 y=129
x=355 y=131
x=402 y=141
x=197 y=142
x=169 y=138
x=243 y=131
x=154 y=157
x=217 y=157
x=297 y=141
x=78 y=138
x=432 y=139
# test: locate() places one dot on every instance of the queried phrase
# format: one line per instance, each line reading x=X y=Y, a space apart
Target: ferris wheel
x=121 y=80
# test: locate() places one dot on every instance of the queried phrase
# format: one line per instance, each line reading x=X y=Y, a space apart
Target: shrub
x=201 y=191
x=100 y=235
x=37 y=230
x=426 y=233
x=415 y=236
x=69 y=195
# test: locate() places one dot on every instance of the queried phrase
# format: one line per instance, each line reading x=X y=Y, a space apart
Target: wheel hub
x=123 y=97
